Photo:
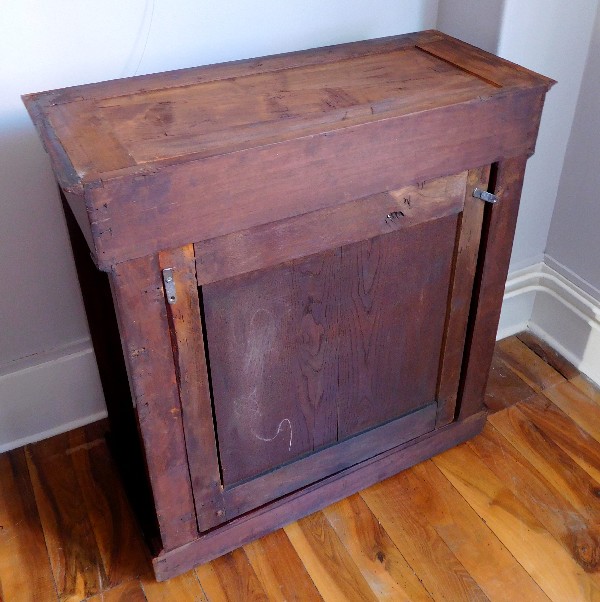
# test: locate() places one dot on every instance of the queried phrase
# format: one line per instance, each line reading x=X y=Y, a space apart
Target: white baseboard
x=559 y=312
x=50 y=393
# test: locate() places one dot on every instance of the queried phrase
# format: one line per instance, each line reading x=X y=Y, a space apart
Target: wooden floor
x=512 y=515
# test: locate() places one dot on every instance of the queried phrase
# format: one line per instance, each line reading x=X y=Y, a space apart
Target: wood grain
x=233 y=577
x=330 y=566
x=505 y=387
x=185 y=324
x=280 y=570
x=533 y=485
x=25 y=571
x=263 y=246
x=127 y=592
x=575 y=441
x=549 y=355
x=587 y=387
x=141 y=306
x=379 y=560
x=182 y=588
x=538 y=374
x=546 y=560
x=75 y=557
x=578 y=406
x=464 y=266
x=466 y=535
x=442 y=574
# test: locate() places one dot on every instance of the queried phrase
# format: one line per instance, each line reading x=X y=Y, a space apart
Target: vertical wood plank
x=138 y=291
x=280 y=570
x=192 y=376
x=499 y=222
x=544 y=558
x=461 y=291
x=437 y=567
x=25 y=571
x=332 y=569
x=374 y=553
x=74 y=554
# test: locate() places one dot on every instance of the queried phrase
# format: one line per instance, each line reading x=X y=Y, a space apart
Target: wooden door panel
x=272 y=337
x=395 y=291
x=316 y=350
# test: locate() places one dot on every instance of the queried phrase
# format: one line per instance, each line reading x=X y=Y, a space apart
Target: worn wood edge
x=231 y=265
x=460 y=294
x=242 y=497
x=121 y=188
x=277 y=514
x=235 y=68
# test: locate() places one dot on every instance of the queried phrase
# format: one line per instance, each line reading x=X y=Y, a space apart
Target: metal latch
x=169 y=283
x=484 y=195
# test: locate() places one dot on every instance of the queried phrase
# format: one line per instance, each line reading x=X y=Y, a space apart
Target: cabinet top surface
x=120 y=127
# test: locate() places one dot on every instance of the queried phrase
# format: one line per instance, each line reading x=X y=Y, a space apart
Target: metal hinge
x=169 y=283
x=484 y=195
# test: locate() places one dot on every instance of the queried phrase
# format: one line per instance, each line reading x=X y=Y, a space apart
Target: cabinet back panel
x=316 y=350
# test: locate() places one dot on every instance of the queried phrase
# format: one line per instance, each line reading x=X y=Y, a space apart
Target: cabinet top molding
x=178 y=130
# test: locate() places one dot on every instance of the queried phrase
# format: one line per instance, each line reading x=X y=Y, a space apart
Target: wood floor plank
x=211 y=586
x=280 y=570
x=119 y=540
x=75 y=558
x=232 y=578
x=587 y=387
x=579 y=535
x=331 y=568
x=578 y=406
x=548 y=354
x=576 y=442
x=25 y=572
x=478 y=549
x=126 y=592
x=567 y=478
x=375 y=554
x=183 y=588
x=529 y=366
x=505 y=387
x=444 y=577
x=542 y=556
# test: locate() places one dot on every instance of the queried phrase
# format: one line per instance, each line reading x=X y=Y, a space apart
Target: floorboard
x=513 y=514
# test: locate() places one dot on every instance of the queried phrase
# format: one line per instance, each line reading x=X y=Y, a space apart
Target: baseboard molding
x=49 y=393
x=558 y=311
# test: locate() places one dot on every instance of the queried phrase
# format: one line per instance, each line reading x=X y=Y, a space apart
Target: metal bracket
x=484 y=195
x=169 y=283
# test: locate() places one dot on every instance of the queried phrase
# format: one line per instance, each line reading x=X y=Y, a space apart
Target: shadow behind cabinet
x=304 y=264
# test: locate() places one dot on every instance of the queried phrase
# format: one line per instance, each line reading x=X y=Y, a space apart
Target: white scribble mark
x=280 y=428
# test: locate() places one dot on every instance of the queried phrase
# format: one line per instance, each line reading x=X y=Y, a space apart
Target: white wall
x=574 y=241
x=46 y=45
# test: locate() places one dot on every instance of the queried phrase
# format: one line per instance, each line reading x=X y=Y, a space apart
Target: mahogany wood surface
x=337 y=294
x=538 y=541
x=309 y=116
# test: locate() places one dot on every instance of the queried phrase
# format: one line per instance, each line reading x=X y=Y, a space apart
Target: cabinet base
x=285 y=510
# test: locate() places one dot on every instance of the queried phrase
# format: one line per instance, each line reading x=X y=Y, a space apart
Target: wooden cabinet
x=296 y=258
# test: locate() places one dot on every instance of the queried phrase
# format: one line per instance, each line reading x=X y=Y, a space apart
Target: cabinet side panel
x=499 y=225
x=139 y=295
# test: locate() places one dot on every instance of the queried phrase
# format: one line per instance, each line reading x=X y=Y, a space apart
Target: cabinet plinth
x=305 y=283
